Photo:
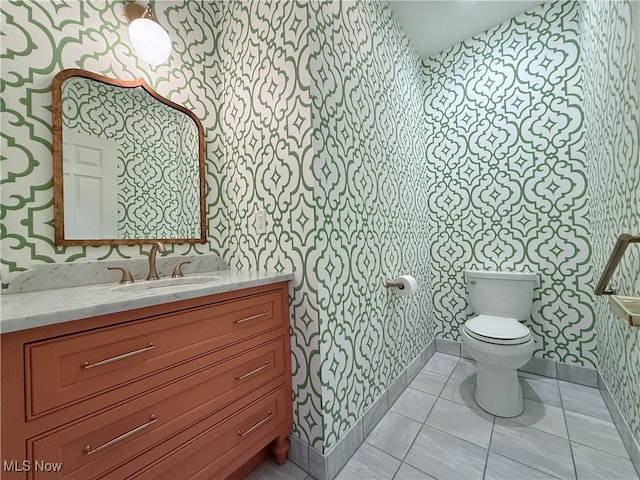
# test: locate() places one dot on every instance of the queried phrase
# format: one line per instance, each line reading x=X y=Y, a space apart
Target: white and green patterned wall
x=250 y=89
x=41 y=38
x=288 y=147
x=157 y=182
x=321 y=114
x=507 y=182
x=244 y=68
x=612 y=131
x=369 y=173
x=264 y=114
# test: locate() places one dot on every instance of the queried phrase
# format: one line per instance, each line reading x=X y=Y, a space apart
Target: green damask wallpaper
x=612 y=132
x=367 y=163
x=369 y=173
x=254 y=72
x=507 y=174
x=264 y=114
x=242 y=68
x=157 y=156
x=46 y=37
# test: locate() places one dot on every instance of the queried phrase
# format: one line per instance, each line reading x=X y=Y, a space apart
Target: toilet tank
x=501 y=294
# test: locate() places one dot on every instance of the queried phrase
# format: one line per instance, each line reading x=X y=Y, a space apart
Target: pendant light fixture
x=150 y=41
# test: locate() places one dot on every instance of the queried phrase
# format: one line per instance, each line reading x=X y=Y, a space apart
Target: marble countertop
x=20 y=311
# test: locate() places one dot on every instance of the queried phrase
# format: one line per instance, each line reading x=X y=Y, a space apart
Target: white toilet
x=497 y=339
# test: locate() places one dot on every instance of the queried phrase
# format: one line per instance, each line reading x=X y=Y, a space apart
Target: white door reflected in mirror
x=90 y=186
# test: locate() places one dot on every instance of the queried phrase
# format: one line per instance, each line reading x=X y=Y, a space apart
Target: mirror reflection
x=128 y=164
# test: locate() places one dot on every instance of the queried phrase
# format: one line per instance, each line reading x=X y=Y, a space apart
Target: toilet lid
x=500 y=330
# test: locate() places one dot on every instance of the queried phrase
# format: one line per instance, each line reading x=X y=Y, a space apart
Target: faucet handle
x=177 y=271
x=126 y=274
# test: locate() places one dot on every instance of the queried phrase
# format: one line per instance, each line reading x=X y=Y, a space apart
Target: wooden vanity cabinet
x=190 y=389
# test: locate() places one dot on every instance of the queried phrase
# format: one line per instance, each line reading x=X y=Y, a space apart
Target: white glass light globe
x=150 y=41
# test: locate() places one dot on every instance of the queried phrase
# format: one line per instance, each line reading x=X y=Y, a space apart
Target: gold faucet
x=155 y=248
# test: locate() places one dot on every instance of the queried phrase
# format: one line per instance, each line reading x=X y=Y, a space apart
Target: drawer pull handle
x=89 y=451
x=252 y=317
x=249 y=431
x=87 y=365
x=254 y=371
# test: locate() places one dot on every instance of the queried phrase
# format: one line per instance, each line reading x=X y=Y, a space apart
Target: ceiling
x=433 y=26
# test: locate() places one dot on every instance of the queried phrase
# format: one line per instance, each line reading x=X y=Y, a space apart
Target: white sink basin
x=164 y=283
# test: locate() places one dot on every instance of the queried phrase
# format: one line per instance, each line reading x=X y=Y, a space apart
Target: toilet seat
x=497 y=330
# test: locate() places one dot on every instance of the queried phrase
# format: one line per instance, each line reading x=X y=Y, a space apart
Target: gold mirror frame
x=58 y=190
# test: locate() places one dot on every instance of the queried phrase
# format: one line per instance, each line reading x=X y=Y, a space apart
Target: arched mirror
x=128 y=164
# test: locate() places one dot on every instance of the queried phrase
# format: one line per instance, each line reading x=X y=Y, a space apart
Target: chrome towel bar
x=621 y=245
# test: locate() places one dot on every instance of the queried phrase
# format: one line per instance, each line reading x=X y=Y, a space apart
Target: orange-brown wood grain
x=206 y=378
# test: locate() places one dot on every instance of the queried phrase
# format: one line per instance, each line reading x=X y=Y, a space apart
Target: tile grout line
x=424 y=424
x=494 y=423
x=566 y=425
x=543 y=431
x=612 y=422
x=598 y=449
x=527 y=466
x=621 y=423
x=450 y=434
x=539 y=429
x=396 y=472
x=389 y=406
x=413 y=419
x=456 y=437
x=364 y=440
x=554 y=381
x=438 y=396
x=486 y=459
x=385 y=452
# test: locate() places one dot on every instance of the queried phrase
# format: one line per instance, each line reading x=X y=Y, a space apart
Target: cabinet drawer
x=212 y=454
x=66 y=370
x=99 y=444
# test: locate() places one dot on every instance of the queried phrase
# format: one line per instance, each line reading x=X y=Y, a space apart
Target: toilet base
x=498 y=391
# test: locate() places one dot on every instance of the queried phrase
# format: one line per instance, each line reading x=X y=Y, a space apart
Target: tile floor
x=436 y=430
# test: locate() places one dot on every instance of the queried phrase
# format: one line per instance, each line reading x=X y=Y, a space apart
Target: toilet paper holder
x=394 y=284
